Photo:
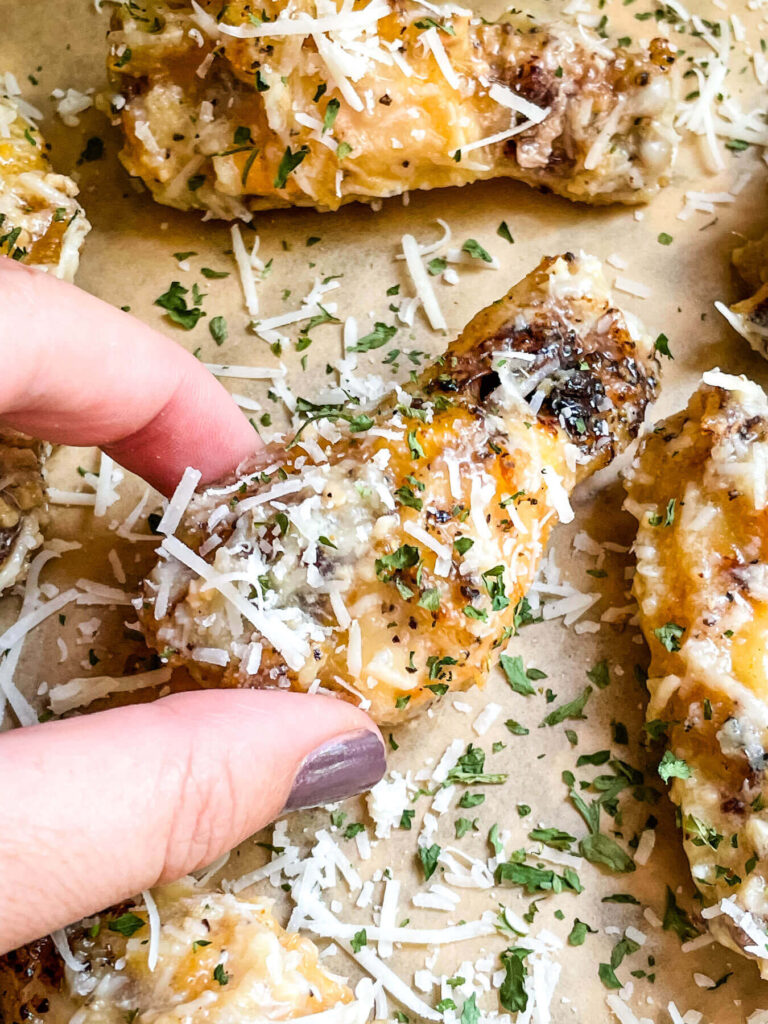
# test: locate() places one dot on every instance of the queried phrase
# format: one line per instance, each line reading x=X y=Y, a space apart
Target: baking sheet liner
x=127 y=260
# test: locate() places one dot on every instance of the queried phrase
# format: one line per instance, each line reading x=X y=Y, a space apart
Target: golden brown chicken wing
x=699 y=490
x=233 y=109
x=383 y=555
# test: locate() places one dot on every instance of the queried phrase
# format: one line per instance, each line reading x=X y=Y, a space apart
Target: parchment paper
x=128 y=260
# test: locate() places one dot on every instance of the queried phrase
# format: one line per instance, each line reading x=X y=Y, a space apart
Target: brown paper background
x=127 y=261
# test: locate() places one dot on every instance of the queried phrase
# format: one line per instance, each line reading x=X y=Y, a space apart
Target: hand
x=98 y=807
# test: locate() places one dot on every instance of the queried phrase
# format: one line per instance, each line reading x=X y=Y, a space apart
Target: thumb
x=97 y=808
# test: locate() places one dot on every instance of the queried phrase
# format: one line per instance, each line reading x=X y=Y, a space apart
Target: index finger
x=77 y=371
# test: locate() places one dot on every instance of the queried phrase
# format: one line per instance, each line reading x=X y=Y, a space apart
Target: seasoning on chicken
x=22 y=504
x=306 y=105
x=750 y=317
x=41 y=222
x=699 y=490
x=382 y=556
x=211 y=957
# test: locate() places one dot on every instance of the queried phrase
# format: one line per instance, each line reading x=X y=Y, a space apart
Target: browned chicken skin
x=387 y=567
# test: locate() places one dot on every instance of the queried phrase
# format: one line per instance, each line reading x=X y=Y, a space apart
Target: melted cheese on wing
x=750 y=317
x=318 y=108
x=22 y=503
x=386 y=563
x=220 y=960
x=41 y=222
x=699 y=490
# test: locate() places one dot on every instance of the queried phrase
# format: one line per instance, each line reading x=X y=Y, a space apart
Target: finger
x=77 y=371
x=97 y=808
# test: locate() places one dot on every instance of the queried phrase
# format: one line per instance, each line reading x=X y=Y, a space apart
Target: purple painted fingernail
x=343 y=767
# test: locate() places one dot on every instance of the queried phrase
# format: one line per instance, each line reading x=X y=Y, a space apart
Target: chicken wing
x=699 y=491
x=304 y=105
x=41 y=222
x=22 y=503
x=382 y=556
x=211 y=957
x=750 y=317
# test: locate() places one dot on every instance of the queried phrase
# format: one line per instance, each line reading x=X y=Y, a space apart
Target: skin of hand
x=96 y=808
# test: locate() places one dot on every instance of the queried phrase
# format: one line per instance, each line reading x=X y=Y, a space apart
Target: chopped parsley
x=516 y=674
x=473 y=248
x=175 y=305
x=127 y=924
x=669 y=636
x=671 y=767
x=512 y=994
x=218 y=328
x=662 y=346
x=579 y=932
x=677 y=920
x=331 y=112
x=288 y=163
x=380 y=335
x=503 y=232
x=470 y=769
x=599 y=674
x=573 y=709
x=428 y=856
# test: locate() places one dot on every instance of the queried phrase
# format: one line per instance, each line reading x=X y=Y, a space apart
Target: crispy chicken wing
x=41 y=222
x=22 y=503
x=383 y=555
x=750 y=317
x=213 y=959
x=699 y=490
x=232 y=110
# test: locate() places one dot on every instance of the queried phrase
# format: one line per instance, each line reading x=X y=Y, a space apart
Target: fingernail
x=343 y=767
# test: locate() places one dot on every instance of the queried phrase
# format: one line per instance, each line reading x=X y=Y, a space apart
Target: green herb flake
x=573 y=709
x=555 y=838
x=437 y=266
x=672 y=767
x=428 y=856
x=331 y=112
x=677 y=920
x=514 y=670
x=427 y=23
x=127 y=924
x=288 y=163
x=470 y=1013
x=175 y=304
x=600 y=675
x=579 y=932
x=218 y=329
x=503 y=232
x=512 y=994
x=669 y=636
x=599 y=848
x=464 y=825
x=380 y=335
x=473 y=248
x=661 y=345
